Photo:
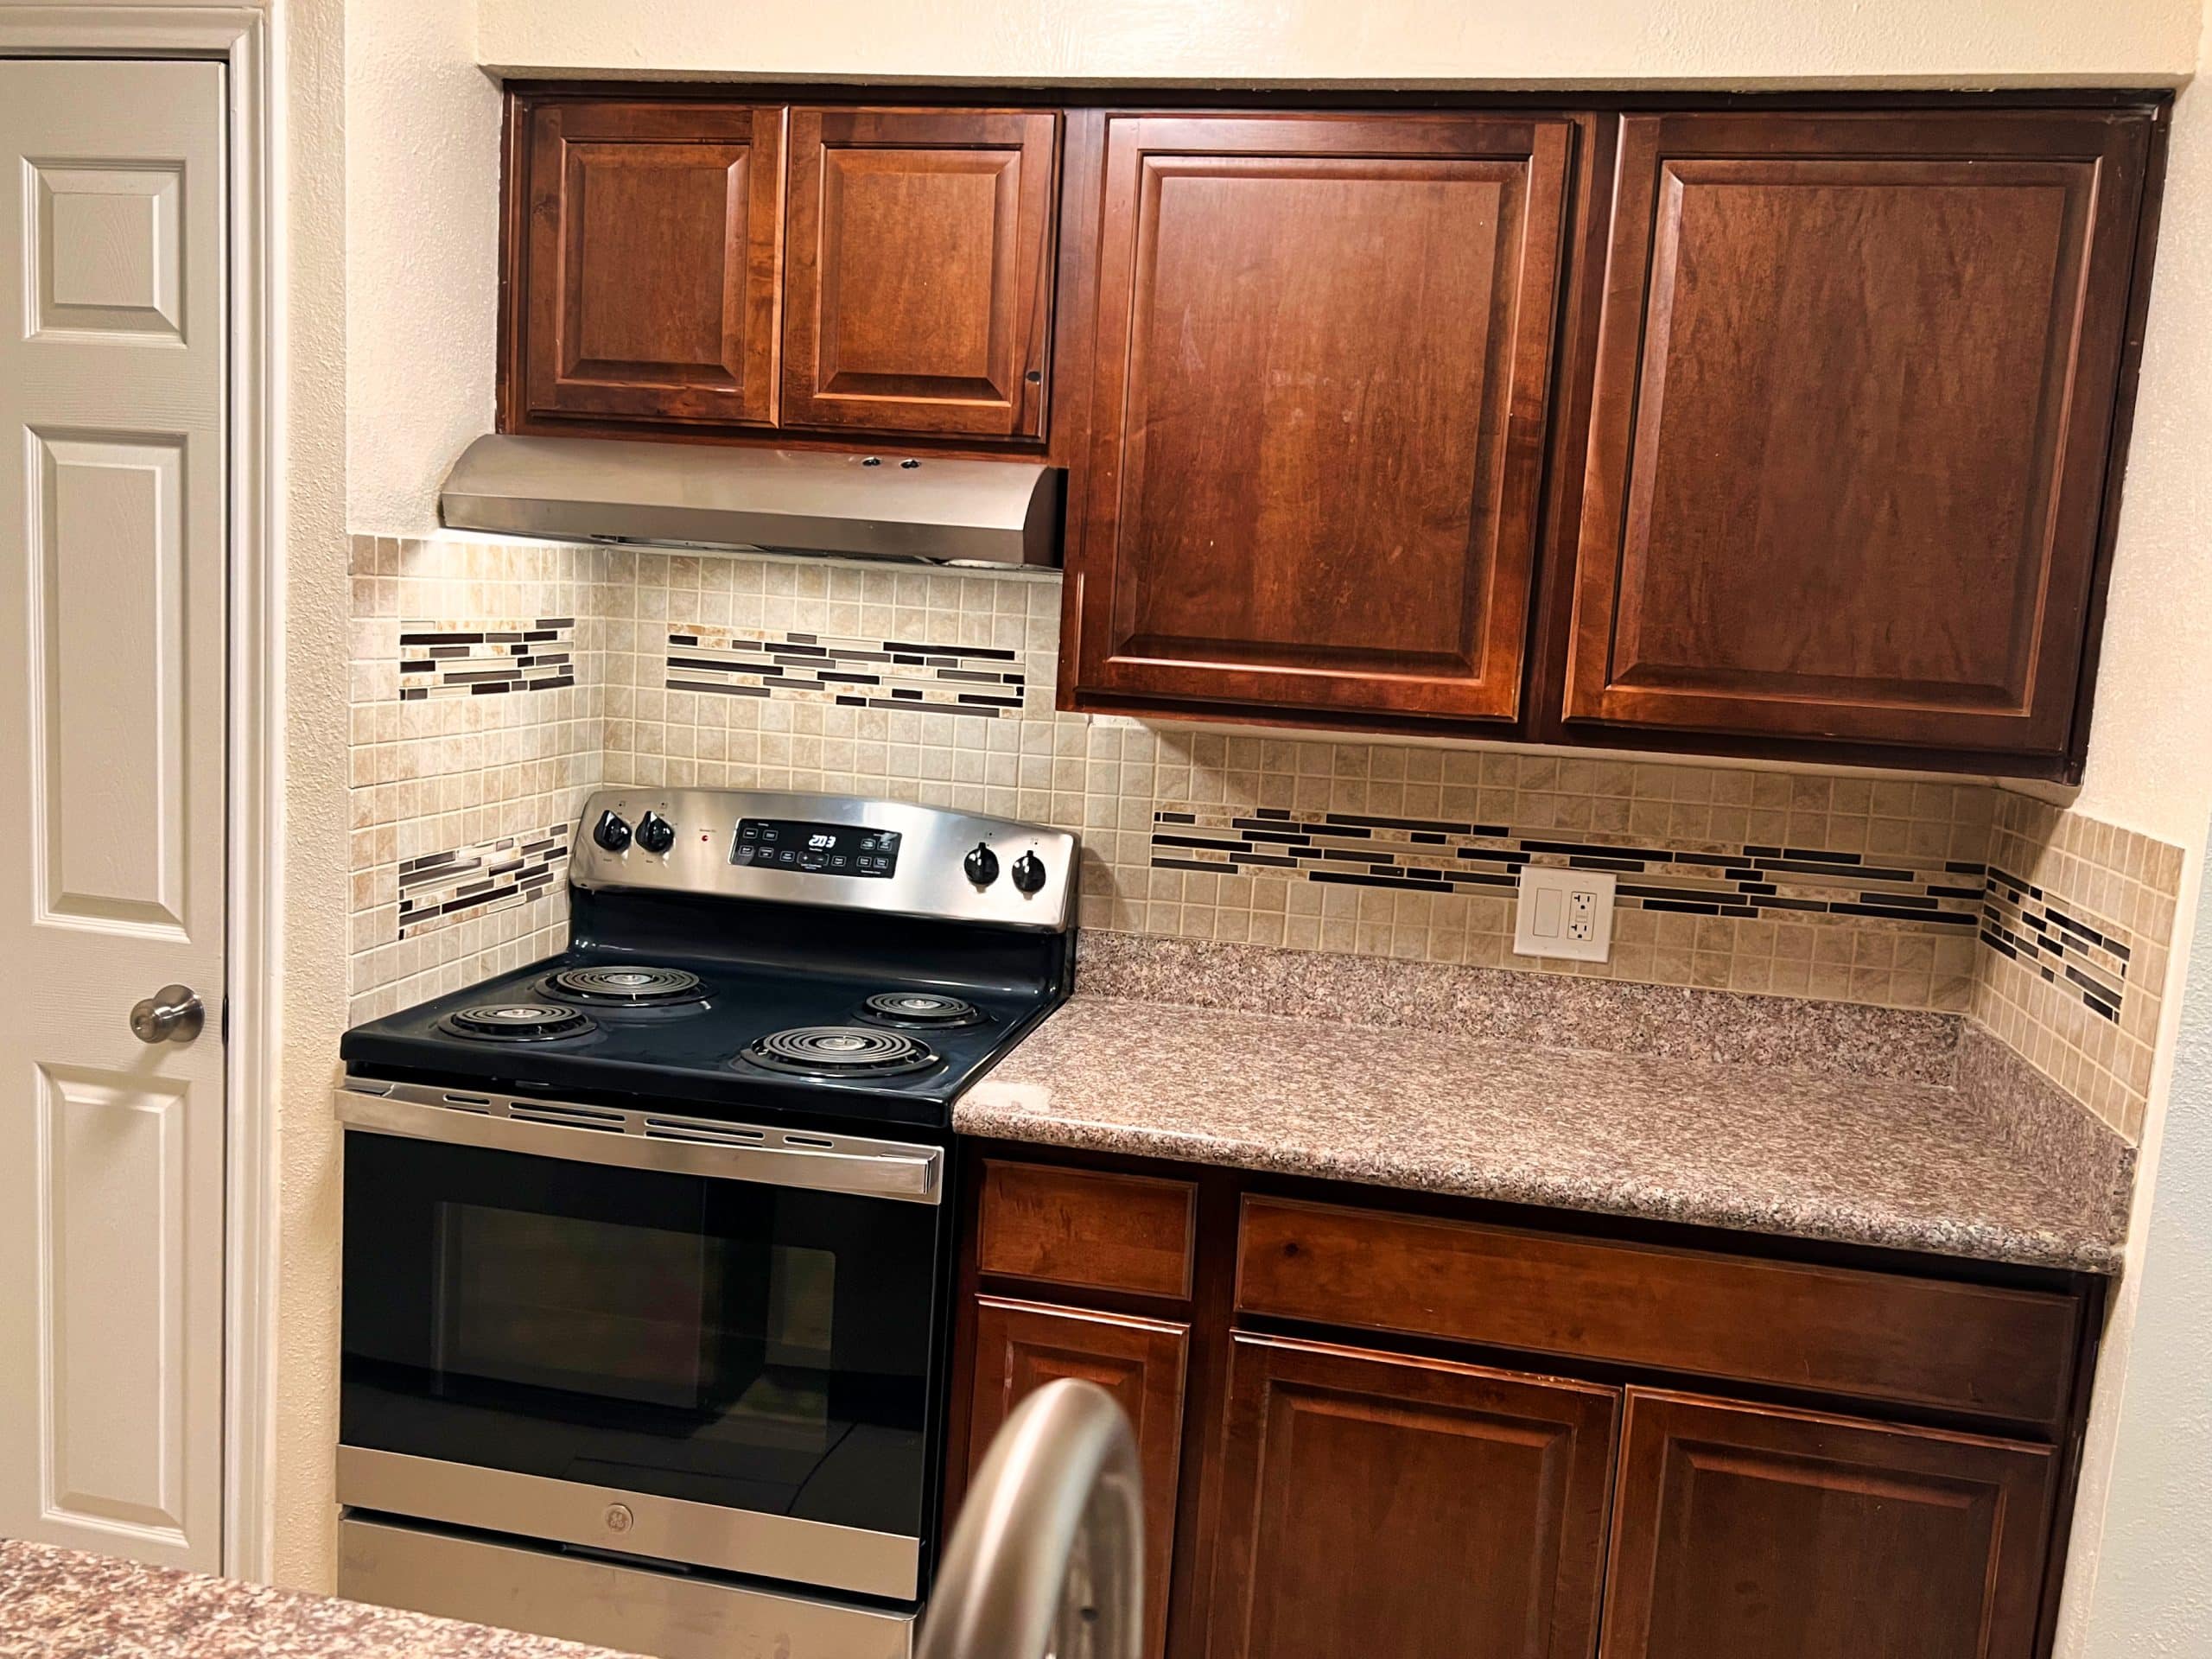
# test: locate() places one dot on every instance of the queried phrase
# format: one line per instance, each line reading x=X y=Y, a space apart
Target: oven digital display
x=815 y=848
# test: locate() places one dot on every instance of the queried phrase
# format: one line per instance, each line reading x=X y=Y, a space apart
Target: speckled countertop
x=1980 y=1158
x=60 y=1604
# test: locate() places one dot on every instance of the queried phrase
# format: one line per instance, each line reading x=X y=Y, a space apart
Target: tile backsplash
x=937 y=686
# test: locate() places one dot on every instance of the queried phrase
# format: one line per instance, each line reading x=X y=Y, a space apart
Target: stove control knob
x=981 y=865
x=1029 y=873
x=655 y=832
x=612 y=832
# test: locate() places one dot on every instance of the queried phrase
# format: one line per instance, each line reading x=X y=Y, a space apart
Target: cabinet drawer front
x=919 y=270
x=1323 y=365
x=1887 y=348
x=1994 y=1352
x=1079 y=1227
x=1744 y=1530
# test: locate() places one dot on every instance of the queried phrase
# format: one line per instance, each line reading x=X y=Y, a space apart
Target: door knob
x=172 y=1014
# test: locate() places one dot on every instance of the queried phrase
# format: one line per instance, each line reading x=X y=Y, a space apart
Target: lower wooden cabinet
x=1373 y=1503
x=1422 y=1431
x=1021 y=1346
x=1746 y=1532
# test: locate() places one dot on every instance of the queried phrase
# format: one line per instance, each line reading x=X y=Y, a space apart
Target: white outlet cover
x=1544 y=921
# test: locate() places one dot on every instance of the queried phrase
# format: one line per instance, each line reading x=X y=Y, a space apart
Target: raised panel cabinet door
x=1323 y=357
x=1021 y=1346
x=1855 y=391
x=1418 y=1508
x=919 y=267
x=649 y=284
x=1746 y=1532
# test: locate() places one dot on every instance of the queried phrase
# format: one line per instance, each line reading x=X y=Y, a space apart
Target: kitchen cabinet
x=1427 y=1427
x=1855 y=387
x=1021 y=1346
x=1744 y=1532
x=1374 y=1503
x=1322 y=353
x=649 y=254
x=1787 y=433
x=918 y=269
x=663 y=272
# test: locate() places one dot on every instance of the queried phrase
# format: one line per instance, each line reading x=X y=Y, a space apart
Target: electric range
x=647 y=1245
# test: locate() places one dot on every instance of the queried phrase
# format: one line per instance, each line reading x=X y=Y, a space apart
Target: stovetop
x=694 y=1051
x=690 y=977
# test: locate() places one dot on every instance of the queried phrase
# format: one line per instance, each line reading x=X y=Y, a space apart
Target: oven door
x=681 y=1339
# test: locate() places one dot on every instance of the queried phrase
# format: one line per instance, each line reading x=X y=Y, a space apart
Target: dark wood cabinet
x=650 y=259
x=1374 y=1503
x=919 y=267
x=1021 y=1346
x=1855 y=386
x=1746 y=1532
x=1787 y=432
x=1323 y=355
x=1429 y=1429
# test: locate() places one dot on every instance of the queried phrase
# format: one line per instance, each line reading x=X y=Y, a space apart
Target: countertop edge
x=993 y=1112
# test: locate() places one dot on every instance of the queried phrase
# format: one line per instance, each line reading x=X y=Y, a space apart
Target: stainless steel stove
x=647 y=1261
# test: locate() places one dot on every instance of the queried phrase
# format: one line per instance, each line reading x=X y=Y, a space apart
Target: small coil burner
x=519 y=1022
x=626 y=987
x=838 y=1051
x=919 y=1009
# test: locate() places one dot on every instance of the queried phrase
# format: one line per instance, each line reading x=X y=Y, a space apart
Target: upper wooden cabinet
x=661 y=271
x=648 y=260
x=1854 y=398
x=1323 y=350
x=918 y=266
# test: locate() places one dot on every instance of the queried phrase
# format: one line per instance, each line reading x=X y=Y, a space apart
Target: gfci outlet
x=1564 y=913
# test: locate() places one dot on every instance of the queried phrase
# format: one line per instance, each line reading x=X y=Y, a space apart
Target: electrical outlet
x=1563 y=912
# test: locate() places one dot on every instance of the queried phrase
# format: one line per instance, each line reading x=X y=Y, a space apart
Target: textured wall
x=2153 y=1595
x=310 y=205
x=1701 y=43
x=422 y=260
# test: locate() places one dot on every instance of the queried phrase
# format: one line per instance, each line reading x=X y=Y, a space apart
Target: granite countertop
x=62 y=1603
x=1976 y=1157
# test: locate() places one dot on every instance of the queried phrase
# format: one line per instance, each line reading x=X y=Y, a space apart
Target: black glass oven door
x=726 y=1342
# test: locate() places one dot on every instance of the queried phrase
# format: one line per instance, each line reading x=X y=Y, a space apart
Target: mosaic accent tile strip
x=2078 y=910
x=1747 y=881
x=460 y=659
x=977 y=680
x=465 y=882
x=2021 y=922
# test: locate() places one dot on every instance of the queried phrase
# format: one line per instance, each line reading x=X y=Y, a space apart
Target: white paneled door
x=112 y=582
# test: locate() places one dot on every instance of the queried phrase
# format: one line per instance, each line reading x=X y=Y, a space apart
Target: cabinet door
x=920 y=266
x=1742 y=1532
x=1324 y=350
x=1372 y=1504
x=1021 y=1346
x=1855 y=391
x=649 y=290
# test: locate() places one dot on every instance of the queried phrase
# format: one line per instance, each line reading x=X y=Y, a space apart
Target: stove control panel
x=816 y=848
x=845 y=852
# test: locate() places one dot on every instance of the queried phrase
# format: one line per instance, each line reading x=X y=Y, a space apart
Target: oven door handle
x=646 y=1141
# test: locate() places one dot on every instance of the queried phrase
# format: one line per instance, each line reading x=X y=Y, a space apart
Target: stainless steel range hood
x=884 y=506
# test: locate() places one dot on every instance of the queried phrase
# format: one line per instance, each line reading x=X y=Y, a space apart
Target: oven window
x=737 y=1343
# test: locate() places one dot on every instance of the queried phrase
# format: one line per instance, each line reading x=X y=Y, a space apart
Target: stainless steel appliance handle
x=656 y=1141
x=1048 y=1557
